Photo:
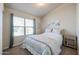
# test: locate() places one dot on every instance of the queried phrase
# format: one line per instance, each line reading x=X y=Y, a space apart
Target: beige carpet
x=69 y=51
x=20 y=51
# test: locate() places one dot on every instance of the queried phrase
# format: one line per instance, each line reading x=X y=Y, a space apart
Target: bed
x=48 y=43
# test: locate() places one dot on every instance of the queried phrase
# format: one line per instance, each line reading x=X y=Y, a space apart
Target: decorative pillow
x=53 y=27
x=49 y=28
x=56 y=27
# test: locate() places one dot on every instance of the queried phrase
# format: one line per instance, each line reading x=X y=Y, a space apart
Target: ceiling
x=32 y=8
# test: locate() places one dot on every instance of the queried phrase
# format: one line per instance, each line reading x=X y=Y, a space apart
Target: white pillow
x=56 y=27
x=49 y=28
x=53 y=27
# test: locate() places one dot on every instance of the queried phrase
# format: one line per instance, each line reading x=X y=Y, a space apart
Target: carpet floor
x=20 y=51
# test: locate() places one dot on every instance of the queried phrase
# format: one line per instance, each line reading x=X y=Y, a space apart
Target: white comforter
x=46 y=43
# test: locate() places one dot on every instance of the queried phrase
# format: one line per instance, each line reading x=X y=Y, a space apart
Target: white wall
x=78 y=25
x=6 y=25
x=1 y=20
x=66 y=13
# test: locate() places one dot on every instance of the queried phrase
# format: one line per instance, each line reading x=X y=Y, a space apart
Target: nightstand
x=70 y=41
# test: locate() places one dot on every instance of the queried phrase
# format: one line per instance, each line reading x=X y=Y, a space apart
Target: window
x=29 y=24
x=18 y=26
x=22 y=26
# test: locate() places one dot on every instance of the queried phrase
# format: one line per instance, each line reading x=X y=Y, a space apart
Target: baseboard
x=5 y=48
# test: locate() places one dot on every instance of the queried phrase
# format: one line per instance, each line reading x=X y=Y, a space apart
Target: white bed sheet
x=52 y=39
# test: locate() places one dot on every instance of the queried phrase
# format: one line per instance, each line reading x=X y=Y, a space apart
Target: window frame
x=29 y=26
x=18 y=27
x=24 y=34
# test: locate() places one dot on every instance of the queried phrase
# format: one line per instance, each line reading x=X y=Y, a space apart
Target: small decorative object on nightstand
x=70 y=40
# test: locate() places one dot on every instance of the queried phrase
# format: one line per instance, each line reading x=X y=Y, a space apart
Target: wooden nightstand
x=70 y=41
